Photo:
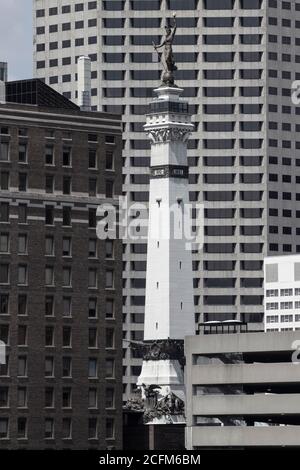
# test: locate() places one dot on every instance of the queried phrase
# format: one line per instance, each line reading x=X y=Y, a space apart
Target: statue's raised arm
x=174 y=27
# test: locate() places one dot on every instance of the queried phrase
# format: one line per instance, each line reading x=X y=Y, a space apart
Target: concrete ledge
x=245 y=373
x=241 y=405
x=277 y=436
x=251 y=342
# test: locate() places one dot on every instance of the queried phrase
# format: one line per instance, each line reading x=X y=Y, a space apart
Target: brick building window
x=109 y=160
x=4 y=304
x=67 y=216
x=93 y=428
x=22 y=244
x=67 y=397
x=49 y=155
x=93 y=338
x=22 y=335
x=22 y=304
x=93 y=368
x=92 y=308
x=93 y=187
x=93 y=275
x=49 y=305
x=92 y=218
x=49 y=336
x=4 y=333
x=4 y=180
x=4 y=242
x=110 y=428
x=67 y=428
x=22 y=366
x=110 y=338
x=67 y=337
x=4 y=273
x=4 y=394
x=49 y=276
x=67 y=307
x=49 y=428
x=109 y=311
x=49 y=397
x=110 y=398
x=4 y=212
x=23 y=182
x=4 y=428
x=67 y=184
x=49 y=215
x=92 y=158
x=22 y=213
x=49 y=184
x=67 y=156
x=22 y=428
x=92 y=248
x=109 y=279
x=109 y=249
x=110 y=368
x=93 y=398
x=49 y=246
x=67 y=246
x=22 y=153
x=49 y=366
x=22 y=397
x=67 y=277
x=67 y=366
x=4 y=151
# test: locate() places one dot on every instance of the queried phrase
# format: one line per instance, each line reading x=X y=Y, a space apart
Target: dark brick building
x=60 y=287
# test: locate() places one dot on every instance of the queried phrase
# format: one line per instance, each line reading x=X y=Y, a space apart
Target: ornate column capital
x=164 y=349
x=163 y=134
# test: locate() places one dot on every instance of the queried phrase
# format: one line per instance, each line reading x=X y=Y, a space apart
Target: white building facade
x=282 y=293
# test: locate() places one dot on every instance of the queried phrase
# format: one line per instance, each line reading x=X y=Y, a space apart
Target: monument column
x=169 y=311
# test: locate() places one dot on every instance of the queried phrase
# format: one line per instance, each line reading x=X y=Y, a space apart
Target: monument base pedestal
x=139 y=436
x=166 y=374
x=162 y=392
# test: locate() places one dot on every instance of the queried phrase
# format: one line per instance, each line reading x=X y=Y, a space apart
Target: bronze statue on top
x=168 y=60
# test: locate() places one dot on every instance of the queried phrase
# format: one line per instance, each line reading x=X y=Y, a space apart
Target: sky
x=16 y=37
